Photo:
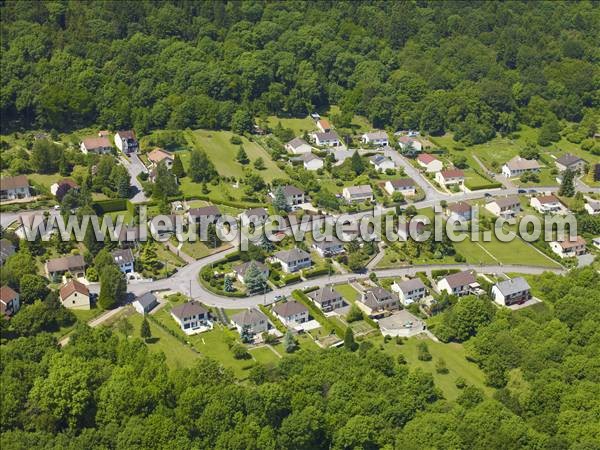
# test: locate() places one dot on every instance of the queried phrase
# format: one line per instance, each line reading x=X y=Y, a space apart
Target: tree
x=212 y=238
x=279 y=199
x=241 y=156
x=246 y=334
x=356 y=262
x=124 y=326
x=242 y=122
x=113 y=287
x=349 y=343
x=16 y=267
x=423 y=352
x=228 y=284
x=354 y=314
x=289 y=342
x=165 y=183
x=120 y=180
x=259 y=163
x=201 y=167
x=149 y=258
x=254 y=279
x=145 y=331
x=567 y=186
x=440 y=366
x=357 y=164
x=177 y=168
x=32 y=288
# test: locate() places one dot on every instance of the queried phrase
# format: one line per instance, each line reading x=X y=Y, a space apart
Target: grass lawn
x=198 y=249
x=298 y=125
x=348 y=292
x=83 y=316
x=454 y=356
x=264 y=355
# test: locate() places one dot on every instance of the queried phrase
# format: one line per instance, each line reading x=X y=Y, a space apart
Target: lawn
x=454 y=356
x=348 y=292
x=297 y=125
x=265 y=355
x=83 y=316
x=197 y=249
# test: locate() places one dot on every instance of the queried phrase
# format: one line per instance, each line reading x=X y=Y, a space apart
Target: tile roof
x=402 y=182
x=426 y=158
x=543 y=199
x=567 y=244
x=7 y=294
x=453 y=173
x=241 y=269
x=248 y=317
x=289 y=308
x=20 y=181
x=375 y=135
x=158 y=154
x=324 y=294
x=124 y=256
x=72 y=286
x=147 y=299
x=410 y=285
x=518 y=163
x=93 y=142
x=65 y=263
x=568 y=159
x=188 y=309
x=460 y=207
x=290 y=190
x=205 y=211
x=297 y=142
x=513 y=286
x=327 y=136
x=291 y=255
x=126 y=134
x=364 y=189
x=463 y=278
x=503 y=202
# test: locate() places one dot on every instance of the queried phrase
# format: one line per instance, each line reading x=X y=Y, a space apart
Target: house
x=410 y=291
x=596 y=242
x=404 y=228
x=379 y=138
x=311 y=162
x=57 y=267
x=376 y=300
x=504 y=206
x=9 y=301
x=293 y=195
x=298 y=146
x=13 y=188
x=429 y=162
x=450 y=177
x=205 y=215
x=592 y=207
x=250 y=320
x=510 y=292
x=159 y=155
x=126 y=141
x=74 y=295
x=406 y=186
x=407 y=142
x=7 y=249
x=241 y=269
x=518 y=166
x=327 y=298
x=145 y=303
x=129 y=236
x=256 y=216
x=164 y=224
x=546 y=204
x=327 y=139
x=323 y=125
x=356 y=194
x=401 y=323
x=572 y=162
x=293 y=260
x=291 y=313
x=461 y=283
x=328 y=248
x=459 y=211
x=569 y=249
x=99 y=145
x=192 y=317
x=61 y=187
x=124 y=259
x=104 y=133
x=382 y=163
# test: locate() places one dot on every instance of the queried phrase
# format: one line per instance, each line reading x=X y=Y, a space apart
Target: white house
x=596 y=242
x=327 y=139
x=376 y=300
x=291 y=313
x=293 y=195
x=293 y=260
x=323 y=125
x=461 y=283
x=9 y=301
x=12 y=188
x=429 y=162
x=405 y=186
x=145 y=303
x=98 y=145
x=450 y=177
x=159 y=155
x=126 y=141
x=298 y=146
x=592 y=207
x=409 y=291
x=205 y=214
x=252 y=320
x=327 y=249
x=124 y=259
x=459 y=211
x=570 y=161
x=311 y=162
x=375 y=138
x=518 y=166
x=74 y=295
x=568 y=248
x=407 y=142
x=504 y=207
x=327 y=298
x=382 y=163
x=510 y=292
x=547 y=204
x=257 y=216
x=192 y=317
x=357 y=194
x=241 y=270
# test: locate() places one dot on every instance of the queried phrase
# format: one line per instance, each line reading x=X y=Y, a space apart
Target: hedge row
x=479 y=187
x=274 y=320
x=111 y=205
x=317 y=314
x=443 y=272
x=292 y=278
x=316 y=272
x=233 y=204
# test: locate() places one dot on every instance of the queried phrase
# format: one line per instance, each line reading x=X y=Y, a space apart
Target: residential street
x=135 y=166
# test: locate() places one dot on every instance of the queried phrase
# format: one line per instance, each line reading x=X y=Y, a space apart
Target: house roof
x=291 y=255
x=363 y=189
x=460 y=207
x=594 y=204
x=402 y=182
x=544 y=199
x=568 y=159
x=513 y=286
x=188 y=309
x=123 y=256
x=7 y=294
x=241 y=269
x=379 y=134
x=375 y=296
x=307 y=157
x=406 y=139
x=129 y=233
x=290 y=190
x=410 y=285
x=205 y=211
x=380 y=159
x=255 y=212
x=463 y=278
x=6 y=248
x=327 y=244
x=518 y=163
x=20 y=181
x=503 y=202
x=453 y=173
x=67 y=182
x=324 y=123
x=248 y=317
x=327 y=136
x=96 y=142
x=71 y=287
x=297 y=142
x=426 y=158
x=158 y=154
x=147 y=299
x=567 y=244
x=325 y=294
x=65 y=263
x=126 y=134
x=289 y=308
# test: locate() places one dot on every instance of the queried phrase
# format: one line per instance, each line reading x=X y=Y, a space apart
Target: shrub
x=240 y=352
x=423 y=352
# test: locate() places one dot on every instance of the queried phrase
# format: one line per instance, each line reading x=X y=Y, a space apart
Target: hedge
x=479 y=187
x=316 y=272
x=443 y=272
x=318 y=314
x=233 y=257
x=111 y=205
x=233 y=204
x=274 y=320
x=292 y=278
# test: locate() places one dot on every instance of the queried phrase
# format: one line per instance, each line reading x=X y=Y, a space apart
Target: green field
x=454 y=356
x=297 y=125
x=348 y=292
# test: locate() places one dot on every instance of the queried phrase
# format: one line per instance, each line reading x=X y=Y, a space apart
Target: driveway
x=134 y=166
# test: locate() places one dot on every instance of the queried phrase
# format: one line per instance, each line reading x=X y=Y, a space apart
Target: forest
x=472 y=68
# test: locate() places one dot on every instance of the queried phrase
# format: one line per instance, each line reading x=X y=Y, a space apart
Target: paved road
x=134 y=166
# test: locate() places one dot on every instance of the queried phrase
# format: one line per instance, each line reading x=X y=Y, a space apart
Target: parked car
x=522 y=191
